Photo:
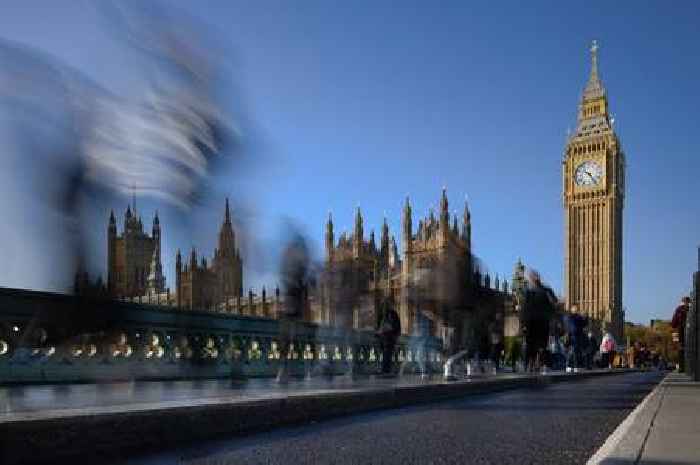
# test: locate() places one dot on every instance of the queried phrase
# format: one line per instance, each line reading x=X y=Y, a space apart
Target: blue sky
x=366 y=102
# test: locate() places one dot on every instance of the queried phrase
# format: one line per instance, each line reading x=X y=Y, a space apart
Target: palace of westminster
x=433 y=274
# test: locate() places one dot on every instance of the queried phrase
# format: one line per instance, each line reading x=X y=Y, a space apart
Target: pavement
x=96 y=422
x=44 y=401
x=558 y=423
x=663 y=429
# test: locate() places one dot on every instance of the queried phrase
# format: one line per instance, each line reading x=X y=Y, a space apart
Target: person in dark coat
x=539 y=309
x=678 y=324
x=591 y=349
x=294 y=271
x=496 y=340
x=389 y=332
x=575 y=327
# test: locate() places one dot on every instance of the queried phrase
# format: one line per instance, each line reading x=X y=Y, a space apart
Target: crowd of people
x=558 y=340
x=552 y=338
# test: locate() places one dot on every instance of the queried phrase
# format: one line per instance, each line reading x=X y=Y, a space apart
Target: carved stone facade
x=593 y=174
x=204 y=285
x=133 y=259
x=433 y=277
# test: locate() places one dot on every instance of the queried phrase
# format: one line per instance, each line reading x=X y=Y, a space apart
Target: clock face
x=588 y=173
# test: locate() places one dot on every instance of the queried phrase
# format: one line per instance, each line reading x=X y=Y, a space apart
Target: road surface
x=563 y=423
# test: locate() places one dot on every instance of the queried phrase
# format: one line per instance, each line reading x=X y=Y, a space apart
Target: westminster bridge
x=47 y=337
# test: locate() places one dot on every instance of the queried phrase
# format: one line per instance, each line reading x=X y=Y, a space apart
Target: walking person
x=607 y=350
x=577 y=323
x=496 y=341
x=539 y=309
x=344 y=299
x=680 y=316
x=419 y=343
x=294 y=272
x=591 y=349
x=389 y=332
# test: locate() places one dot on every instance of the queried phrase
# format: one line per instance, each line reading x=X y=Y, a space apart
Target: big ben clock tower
x=593 y=172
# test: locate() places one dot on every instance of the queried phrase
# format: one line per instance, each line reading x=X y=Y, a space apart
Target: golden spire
x=594 y=87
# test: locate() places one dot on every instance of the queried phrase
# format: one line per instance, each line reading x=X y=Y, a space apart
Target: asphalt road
x=562 y=423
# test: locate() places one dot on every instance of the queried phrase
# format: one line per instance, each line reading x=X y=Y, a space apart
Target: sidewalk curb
x=625 y=445
x=107 y=433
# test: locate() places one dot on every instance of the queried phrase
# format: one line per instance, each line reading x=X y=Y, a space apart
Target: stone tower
x=227 y=261
x=202 y=285
x=133 y=259
x=593 y=172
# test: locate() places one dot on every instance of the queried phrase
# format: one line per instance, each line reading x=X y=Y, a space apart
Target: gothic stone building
x=434 y=277
x=204 y=285
x=593 y=172
x=133 y=259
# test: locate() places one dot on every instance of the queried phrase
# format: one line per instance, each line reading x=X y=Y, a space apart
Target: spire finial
x=594 y=88
x=227 y=214
x=594 y=58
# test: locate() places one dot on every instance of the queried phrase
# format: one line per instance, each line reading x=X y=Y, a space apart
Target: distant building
x=133 y=258
x=433 y=277
x=593 y=171
x=204 y=285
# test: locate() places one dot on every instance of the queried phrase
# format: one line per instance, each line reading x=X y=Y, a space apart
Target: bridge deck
x=64 y=399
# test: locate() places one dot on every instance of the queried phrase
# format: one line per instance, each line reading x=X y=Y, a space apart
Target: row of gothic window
x=589 y=148
x=591 y=110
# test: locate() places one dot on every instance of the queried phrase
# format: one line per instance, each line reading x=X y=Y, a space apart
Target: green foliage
x=659 y=338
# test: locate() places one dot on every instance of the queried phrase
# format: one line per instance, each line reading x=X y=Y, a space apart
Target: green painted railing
x=47 y=337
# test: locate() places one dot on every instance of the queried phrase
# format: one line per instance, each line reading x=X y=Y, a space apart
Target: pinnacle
x=594 y=88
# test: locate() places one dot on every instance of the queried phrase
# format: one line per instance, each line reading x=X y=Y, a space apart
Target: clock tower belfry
x=593 y=174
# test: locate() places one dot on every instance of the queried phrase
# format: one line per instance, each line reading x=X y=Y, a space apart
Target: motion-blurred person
x=680 y=316
x=419 y=341
x=576 y=324
x=655 y=359
x=344 y=299
x=607 y=350
x=388 y=333
x=591 y=349
x=496 y=340
x=539 y=309
x=294 y=273
x=78 y=145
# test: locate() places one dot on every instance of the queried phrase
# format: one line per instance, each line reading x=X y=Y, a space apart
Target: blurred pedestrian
x=419 y=342
x=607 y=350
x=496 y=340
x=539 y=308
x=389 y=332
x=575 y=326
x=345 y=298
x=591 y=349
x=680 y=316
x=294 y=272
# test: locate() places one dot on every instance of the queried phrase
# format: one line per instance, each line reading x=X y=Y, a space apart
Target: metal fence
x=44 y=339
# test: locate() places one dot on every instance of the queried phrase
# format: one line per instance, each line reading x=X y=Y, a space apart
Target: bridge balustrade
x=46 y=337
